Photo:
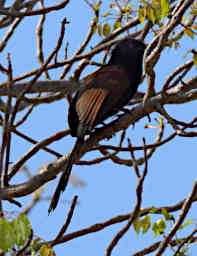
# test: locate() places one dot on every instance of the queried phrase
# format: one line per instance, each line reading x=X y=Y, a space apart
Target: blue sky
x=110 y=189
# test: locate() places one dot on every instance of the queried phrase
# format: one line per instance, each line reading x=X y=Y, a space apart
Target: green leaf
x=142 y=14
x=22 y=228
x=151 y=15
x=106 y=29
x=137 y=225
x=183 y=252
x=158 y=15
x=97 y=5
x=161 y=224
x=152 y=210
x=106 y=14
x=156 y=3
x=95 y=20
x=145 y=223
x=34 y=245
x=187 y=223
x=146 y=2
x=166 y=214
x=159 y=227
x=116 y=25
x=170 y=43
x=193 y=12
x=46 y=251
x=6 y=235
x=176 y=45
x=155 y=229
x=99 y=29
x=189 y=33
x=195 y=60
x=94 y=29
x=164 y=8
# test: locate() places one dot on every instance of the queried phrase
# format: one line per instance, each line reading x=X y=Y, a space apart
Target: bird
x=103 y=93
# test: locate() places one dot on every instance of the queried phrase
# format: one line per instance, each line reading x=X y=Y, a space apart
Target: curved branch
x=36 y=12
x=118 y=219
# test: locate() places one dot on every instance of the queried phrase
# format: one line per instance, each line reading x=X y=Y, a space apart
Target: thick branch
x=42 y=86
x=69 y=86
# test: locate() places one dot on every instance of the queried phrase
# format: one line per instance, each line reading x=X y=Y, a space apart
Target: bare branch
x=135 y=166
x=42 y=86
x=185 y=67
x=68 y=220
x=36 y=12
x=153 y=247
x=39 y=34
x=10 y=32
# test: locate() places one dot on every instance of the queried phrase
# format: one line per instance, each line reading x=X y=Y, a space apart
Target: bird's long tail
x=65 y=176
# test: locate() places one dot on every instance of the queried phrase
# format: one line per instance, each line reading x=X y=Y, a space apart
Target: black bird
x=104 y=93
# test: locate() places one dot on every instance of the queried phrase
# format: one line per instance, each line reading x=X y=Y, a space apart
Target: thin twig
x=66 y=224
x=39 y=145
x=134 y=148
x=39 y=36
x=96 y=160
x=24 y=118
x=57 y=136
x=34 y=201
x=135 y=166
x=5 y=146
x=7 y=115
x=184 y=67
x=9 y=34
x=184 y=241
x=153 y=247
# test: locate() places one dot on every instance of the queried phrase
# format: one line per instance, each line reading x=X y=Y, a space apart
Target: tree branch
x=118 y=219
x=36 y=12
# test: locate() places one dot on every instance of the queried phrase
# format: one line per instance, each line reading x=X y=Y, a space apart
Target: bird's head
x=127 y=52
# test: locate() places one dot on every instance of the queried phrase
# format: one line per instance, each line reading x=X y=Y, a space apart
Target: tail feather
x=64 y=178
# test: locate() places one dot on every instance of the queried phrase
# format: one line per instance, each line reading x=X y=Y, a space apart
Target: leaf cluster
x=14 y=233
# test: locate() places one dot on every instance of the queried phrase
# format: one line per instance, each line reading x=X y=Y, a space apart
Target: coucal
x=104 y=93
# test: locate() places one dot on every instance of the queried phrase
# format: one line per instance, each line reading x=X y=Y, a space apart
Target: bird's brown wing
x=104 y=90
x=89 y=105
